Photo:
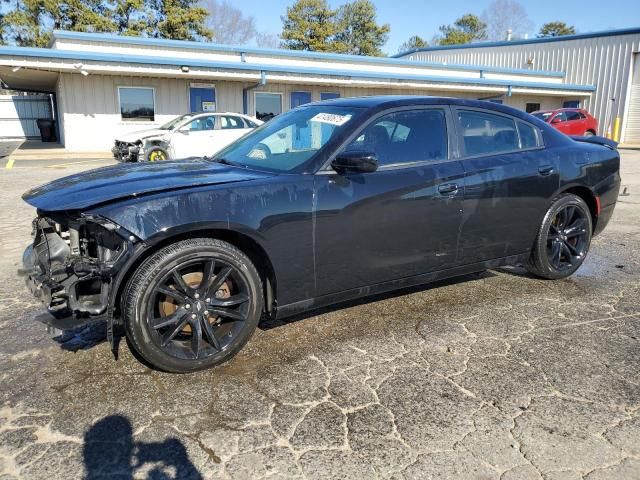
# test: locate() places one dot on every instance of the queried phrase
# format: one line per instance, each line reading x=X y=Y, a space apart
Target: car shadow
x=95 y=333
x=109 y=451
x=268 y=323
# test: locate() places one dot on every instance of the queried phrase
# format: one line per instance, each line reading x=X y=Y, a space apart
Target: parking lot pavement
x=490 y=376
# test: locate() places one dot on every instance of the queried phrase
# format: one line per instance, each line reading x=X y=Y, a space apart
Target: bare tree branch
x=503 y=15
x=229 y=24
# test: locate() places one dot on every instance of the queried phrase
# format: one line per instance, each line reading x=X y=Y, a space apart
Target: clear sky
x=423 y=17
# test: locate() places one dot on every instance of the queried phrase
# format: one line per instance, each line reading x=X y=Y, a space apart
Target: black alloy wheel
x=563 y=240
x=193 y=305
x=567 y=238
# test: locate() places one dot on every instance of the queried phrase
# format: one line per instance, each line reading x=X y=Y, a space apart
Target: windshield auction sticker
x=331 y=118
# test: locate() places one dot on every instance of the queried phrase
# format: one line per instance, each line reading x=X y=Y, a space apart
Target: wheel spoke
x=229 y=302
x=175 y=317
x=227 y=313
x=572 y=250
x=180 y=283
x=169 y=292
x=196 y=336
x=565 y=249
x=209 y=335
x=170 y=334
x=577 y=226
x=216 y=282
x=556 y=252
x=207 y=276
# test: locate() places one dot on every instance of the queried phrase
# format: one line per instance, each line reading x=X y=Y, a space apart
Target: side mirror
x=358 y=161
x=556 y=120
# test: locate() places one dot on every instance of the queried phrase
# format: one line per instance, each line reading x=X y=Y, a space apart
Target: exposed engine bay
x=71 y=262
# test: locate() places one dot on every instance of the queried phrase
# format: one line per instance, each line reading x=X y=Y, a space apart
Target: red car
x=570 y=121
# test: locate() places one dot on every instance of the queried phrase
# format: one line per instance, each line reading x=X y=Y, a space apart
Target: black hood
x=107 y=184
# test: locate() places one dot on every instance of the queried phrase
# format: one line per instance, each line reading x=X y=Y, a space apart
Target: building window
x=300 y=98
x=329 y=95
x=532 y=107
x=268 y=105
x=137 y=103
x=571 y=104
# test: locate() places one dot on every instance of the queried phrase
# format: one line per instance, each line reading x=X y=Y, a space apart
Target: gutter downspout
x=246 y=90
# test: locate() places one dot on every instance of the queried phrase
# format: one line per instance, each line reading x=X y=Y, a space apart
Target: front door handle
x=447 y=188
x=545 y=170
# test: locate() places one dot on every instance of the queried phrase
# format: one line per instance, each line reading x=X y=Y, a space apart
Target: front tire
x=192 y=305
x=563 y=239
x=157 y=154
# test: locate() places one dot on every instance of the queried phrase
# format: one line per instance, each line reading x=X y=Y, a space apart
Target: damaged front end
x=72 y=262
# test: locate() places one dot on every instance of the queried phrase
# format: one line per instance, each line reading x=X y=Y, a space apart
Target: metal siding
x=602 y=61
x=632 y=124
x=18 y=115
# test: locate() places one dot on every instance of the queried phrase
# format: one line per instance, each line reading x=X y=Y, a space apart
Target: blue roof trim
x=564 y=38
x=105 y=37
x=256 y=67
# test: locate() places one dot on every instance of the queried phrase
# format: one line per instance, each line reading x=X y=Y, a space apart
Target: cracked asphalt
x=489 y=376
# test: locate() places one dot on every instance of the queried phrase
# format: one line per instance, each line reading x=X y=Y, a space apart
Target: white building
x=609 y=60
x=103 y=85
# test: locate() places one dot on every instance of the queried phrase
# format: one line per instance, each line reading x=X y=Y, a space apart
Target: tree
x=413 y=43
x=503 y=15
x=24 y=25
x=229 y=24
x=359 y=33
x=556 y=29
x=310 y=25
x=267 y=40
x=466 y=29
x=130 y=17
x=31 y=22
x=178 y=20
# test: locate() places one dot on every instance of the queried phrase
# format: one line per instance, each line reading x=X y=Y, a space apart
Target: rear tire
x=192 y=305
x=563 y=239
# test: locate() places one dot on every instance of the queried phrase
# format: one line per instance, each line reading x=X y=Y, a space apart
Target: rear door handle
x=447 y=188
x=546 y=170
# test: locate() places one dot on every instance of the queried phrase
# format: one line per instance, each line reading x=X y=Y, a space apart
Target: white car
x=189 y=135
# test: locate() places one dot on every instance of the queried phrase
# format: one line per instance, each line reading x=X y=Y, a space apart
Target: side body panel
x=385 y=225
x=274 y=212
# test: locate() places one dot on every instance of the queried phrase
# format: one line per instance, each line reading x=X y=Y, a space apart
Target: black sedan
x=328 y=202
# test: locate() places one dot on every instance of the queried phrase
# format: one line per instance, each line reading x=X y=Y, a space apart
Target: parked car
x=189 y=135
x=570 y=121
x=354 y=197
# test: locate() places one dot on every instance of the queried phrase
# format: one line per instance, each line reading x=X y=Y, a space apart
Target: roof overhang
x=24 y=66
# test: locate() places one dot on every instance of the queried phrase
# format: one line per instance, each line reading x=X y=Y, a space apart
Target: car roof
x=554 y=110
x=381 y=102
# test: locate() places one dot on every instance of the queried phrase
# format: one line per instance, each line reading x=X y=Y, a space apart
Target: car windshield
x=543 y=115
x=290 y=139
x=172 y=124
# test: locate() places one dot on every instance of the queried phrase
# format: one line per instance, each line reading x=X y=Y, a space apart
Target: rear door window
x=486 y=134
x=528 y=135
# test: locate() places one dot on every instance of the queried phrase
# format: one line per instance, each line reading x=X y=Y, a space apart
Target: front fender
x=275 y=214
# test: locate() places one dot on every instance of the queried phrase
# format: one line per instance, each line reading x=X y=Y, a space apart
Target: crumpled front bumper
x=126 y=152
x=66 y=310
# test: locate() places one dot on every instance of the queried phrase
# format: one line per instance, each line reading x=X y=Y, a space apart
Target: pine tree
x=556 y=29
x=359 y=33
x=413 y=43
x=310 y=25
x=465 y=29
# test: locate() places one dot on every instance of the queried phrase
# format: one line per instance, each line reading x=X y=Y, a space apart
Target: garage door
x=18 y=115
x=632 y=123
